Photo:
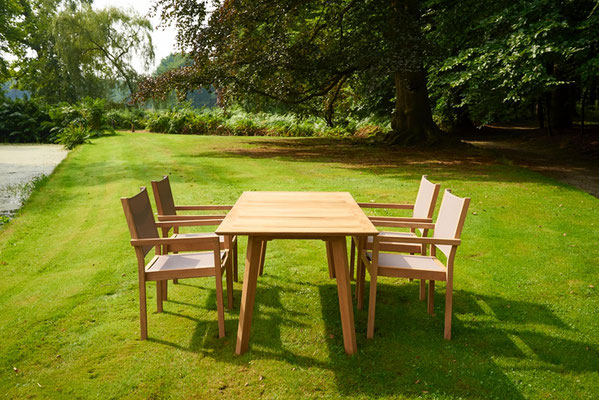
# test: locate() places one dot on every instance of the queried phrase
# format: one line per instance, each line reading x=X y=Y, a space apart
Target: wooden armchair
x=212 y=261
x=167 y=211
x=422 y=211
x=446 y=238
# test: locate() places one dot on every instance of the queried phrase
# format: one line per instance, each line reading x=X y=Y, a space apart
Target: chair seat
x=203 y=234
x=392 y=234
x=399 y=247
x=187 y=265
x=224 y=244
x=408 y=266
x=196 y=235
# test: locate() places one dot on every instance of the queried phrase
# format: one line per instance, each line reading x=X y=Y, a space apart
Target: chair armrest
x=211 y=240
x=417 y=239
x=192 y=222
x=404 y=224
x=387 y=205
x=189 y=217
x=206 y=207
x=374 y=218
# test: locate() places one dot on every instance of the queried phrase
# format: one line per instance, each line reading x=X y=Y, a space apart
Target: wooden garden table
x=328 y=216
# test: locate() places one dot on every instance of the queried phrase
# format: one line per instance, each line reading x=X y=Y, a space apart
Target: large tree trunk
x=561 y=107
x=412 y=119
x=540 y=114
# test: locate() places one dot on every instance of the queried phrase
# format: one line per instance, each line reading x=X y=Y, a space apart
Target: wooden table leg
x=246 y=308
x=339 y=250
x=330 y=260
x=262 y=256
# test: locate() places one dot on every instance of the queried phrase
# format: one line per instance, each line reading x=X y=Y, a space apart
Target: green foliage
x=172 y=61
x=486 y=61
x=499 y=60
x=71 y=50
x=4 y=219
x=236 y=122
x=294 y=56
x=73 y=135
x=25 y=121
x=87 y=113
x=198 y=97
x=31 y=121
x=126 y=118
x=28 y=121
x=11 y=32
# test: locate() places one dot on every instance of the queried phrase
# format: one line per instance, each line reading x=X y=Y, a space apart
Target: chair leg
x=448 y=309
x=371 y=306
x=262 y=257
x=352 y=258
x=159 y=287
x=165 y=290
x=422 y=289
x=431 y=298
x=235 y=263
x=143 y=315
x=229 y=273
x=360 y=284
x=357 y=292
x=220 y=308
x=175 y=281
x=360 y=278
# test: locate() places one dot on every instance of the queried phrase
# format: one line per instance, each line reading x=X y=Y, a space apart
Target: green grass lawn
x=526 y=307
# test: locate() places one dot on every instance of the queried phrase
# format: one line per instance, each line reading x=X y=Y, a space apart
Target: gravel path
x=19 y=164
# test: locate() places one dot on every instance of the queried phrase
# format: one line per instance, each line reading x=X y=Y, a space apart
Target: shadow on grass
x=406 y=163
x=460 y=162
x=408 y=355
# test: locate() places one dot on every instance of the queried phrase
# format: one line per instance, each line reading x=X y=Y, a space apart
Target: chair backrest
x=450 y=220
x=426 y=199
x=140 y=219
x=164 y=197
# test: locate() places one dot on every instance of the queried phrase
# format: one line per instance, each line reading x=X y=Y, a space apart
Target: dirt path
x=559 y=156
x=19 y=164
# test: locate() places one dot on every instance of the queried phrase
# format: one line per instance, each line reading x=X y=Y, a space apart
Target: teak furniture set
x=327 y=216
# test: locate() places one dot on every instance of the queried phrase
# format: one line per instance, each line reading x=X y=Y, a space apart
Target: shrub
x=157 y=122
x=130 y=118
x=73 y=135
x=25 y=121
x=186 y=120
x=89 y=113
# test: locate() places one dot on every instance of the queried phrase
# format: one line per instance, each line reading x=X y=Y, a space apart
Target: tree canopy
x=10 y=31
x=305 y=55
x=477 y=61
x=68 y=50
x=202 y=97
x=509 y=56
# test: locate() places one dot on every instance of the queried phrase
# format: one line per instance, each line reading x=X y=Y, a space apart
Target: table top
x=296 y=214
